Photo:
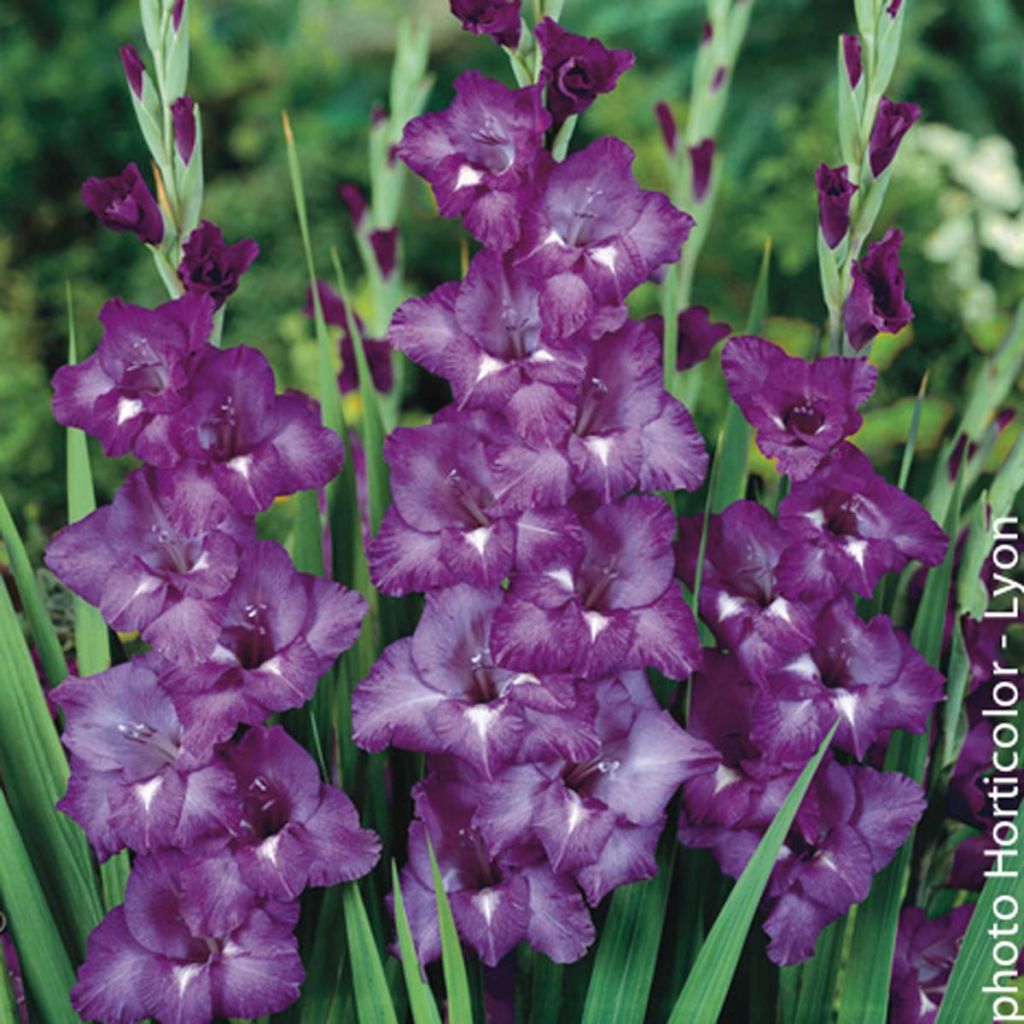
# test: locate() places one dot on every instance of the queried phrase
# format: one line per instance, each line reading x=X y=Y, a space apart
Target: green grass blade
x=456 y=982
x=627 y=952
x=915 y=426
x=865 y=994
x=421 y=1000
x=704 y=993
x=35 y=771
x=373 y=997
x=377 y=485
x=44 y=960
x=50 y=654
x=819 y=975
x=965 y=998
x=324 y=991
x=546 y=987
x=734 y=455
x=92 y=644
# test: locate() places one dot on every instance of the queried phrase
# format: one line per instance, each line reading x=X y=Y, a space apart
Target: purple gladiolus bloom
x=835 y=190
x=598 y=818
x=701 y=157
x=133 y=69
x=498 y=19
x=739 y=596
x=696 y=335
x=184 y=119
x=190 y=943
x=479 y=155
x=295 y=831
x=441 y=691
x=210 y=267
x=628 y=431
x=865 y=674
x=849 y=826
x=667 y=124
x=280 y=632
x=801 y=410
x=745 y=789
x=161 y=559
x=378 y=353
x=850 y=528
x=124 y=203
x=257 y=445
x=852 y=59
x=892 y=122
x=497 y=902
x=140 y=372
x=575 y=69
x=591 y=234
x=486 y=337
x=877 y=300
x=133 y=781
x=177 y=14
x=445 y=525
x=925 y=951
x=606 y=603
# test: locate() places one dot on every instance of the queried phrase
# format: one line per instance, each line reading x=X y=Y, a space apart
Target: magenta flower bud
x=718 y=80
x=877 y=300
x=894 y=8
x=706 y=32
x=210 y=267
x=892 y=122
x=576 y=69
x=177 y=14
x=851 y=54
x=124 y=203
x=133 y=69
x=835 y=190
x=667 y=123
x=498 y=19
x=184 y=127
x=701 y=157
x=385 y=250
x=352 y=195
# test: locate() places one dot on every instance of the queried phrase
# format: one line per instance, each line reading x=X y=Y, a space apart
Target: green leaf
x=915 y=426
x=818 y=976
x=47 y=644
x=627 y=951
x=965 y=998
x=453 y=966
x=865 y=994
x=35 y=772
x=377 y=486
x=704 y=993
x=323 y=992
x=92 y=644
x=546 y=985
x=44 y=960
x=421 y=1000
x=373 y=998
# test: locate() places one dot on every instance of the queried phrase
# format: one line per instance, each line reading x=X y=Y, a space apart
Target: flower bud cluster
x=524 y=512
x=228 y=818
x=794 y=657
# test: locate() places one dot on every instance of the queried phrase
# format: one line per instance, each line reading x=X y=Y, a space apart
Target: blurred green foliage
x=65 y=115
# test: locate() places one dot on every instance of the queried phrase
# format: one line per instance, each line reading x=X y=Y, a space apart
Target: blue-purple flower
x=877 y=301
x=801 y=410
x=211 y=267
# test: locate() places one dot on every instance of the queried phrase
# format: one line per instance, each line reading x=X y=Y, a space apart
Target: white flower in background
x=1005 y=236
x=991 y=173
